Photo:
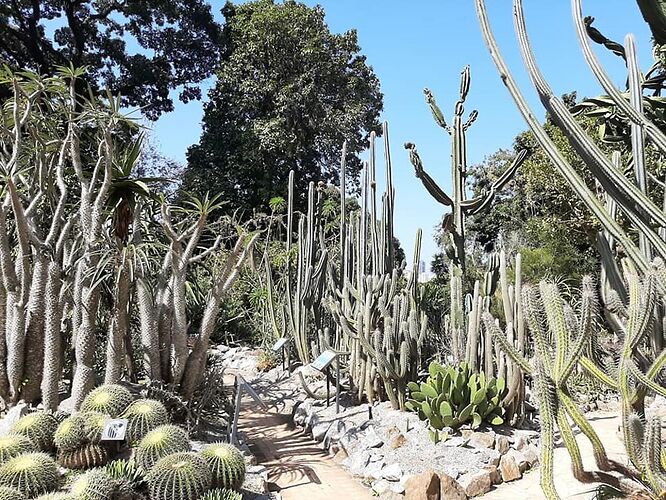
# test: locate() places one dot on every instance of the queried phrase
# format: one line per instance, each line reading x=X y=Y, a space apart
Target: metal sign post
x=242 y=386
x=281 y=345
x=323 y=363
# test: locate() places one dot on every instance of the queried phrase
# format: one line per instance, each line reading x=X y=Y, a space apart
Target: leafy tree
x=139 y=49
x=289 y=93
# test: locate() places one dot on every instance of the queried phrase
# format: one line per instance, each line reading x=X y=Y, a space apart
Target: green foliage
x=12 y=445
x=226 y=464
x=288 y=93
x=180 y=476
x=453 y=396
x=95 y=484
x=7 y=493
x=30 y=473
x=160 y=442
x=39 y=427
x=110 y=399
x=177 y=45
x=127 y=472
x=222 y=494
x=143 y=415
x=71 y=433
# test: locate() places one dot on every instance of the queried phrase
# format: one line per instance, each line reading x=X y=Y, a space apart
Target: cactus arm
x=599 y=38
x=434 y=109
x=548 y=412
x=657 y=366
x=561 y=164
x=584 y=333
x=652 y=449
x=552 y=301
x=427 y=181
x=531 y=302
x=646 y=381
x=650 y=129
x=516 y=357
x=592 y=369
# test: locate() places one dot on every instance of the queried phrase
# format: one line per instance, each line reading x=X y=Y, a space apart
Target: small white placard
x=324 y=359
x=115 y=430
x=280 y=344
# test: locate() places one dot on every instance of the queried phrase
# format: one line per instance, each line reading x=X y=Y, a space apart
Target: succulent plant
x=30 y=473
x=126 y=471
x=143 y=415
x=453 y=396
x=160 y=442
x=39 y=427
x=226 y=464
x=58 y=495
x=94 y=424
x=111 y=399
x=95 y=484
x=12 y=445
x=71 y=434
x=8 y=493
x=222 y=494
x=85 y=457
x=179 y=476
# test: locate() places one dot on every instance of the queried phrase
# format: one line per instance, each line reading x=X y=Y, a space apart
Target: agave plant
x=453 y=396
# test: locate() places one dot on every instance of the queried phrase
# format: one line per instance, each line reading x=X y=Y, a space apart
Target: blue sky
x=426 y=43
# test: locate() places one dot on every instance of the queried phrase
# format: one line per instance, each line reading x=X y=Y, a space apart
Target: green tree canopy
x=289 y=93
x=139 y=49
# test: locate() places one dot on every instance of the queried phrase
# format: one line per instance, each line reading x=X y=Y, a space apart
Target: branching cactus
x=561 y=336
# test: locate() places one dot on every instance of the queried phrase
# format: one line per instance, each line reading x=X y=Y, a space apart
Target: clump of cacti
x=94 y=423
x=39 y=427
x=179 y=476
x=111 y=399
x=160 y=442
x=30 y=473
x=453 y=396
x=12 y=445
x=95 y=484
x=222 y=494
x=226 y=464
x=58 y=495
x=70 y=434
x=143 y=416
x=8 y=493
x=84 y=457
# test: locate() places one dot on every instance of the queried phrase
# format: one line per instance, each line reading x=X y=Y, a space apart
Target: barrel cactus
x=160 y=442
x=70 y=434
x=8 y=493
x=179 y=476
x=222 y=494
x=12 y=445
x=143 y=415
x=86 y=456
x=226 y=464
x=453 y=396
x=39 y=427
x=95 y=484
x=30 y=473
x=58 y=495
x=94 y=425
x=111 y=399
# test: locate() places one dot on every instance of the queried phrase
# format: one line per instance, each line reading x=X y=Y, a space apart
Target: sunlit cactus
x=180 y=476
x=226 y=464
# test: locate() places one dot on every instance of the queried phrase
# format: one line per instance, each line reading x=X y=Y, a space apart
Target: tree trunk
x=115 y=351
x=179 y=324
x=52 y=340
x=34 y=337
x=150 y=342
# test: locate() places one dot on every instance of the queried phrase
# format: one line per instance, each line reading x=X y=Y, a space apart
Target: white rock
x=392 y=472
x=372 y=439
x=380 y=487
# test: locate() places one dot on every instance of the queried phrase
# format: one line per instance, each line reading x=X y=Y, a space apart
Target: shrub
x=111 y=399
x=179 y=476
x=30 y=473
x=39 y=427
x=95 y=484
x=143 y=416
x=12 y=445
x=226 y=464
x=222 y=494
x=453 y=396
x=160 y=442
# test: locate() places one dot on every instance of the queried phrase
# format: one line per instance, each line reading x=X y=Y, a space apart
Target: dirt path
x=606 y=425
x=297 y=467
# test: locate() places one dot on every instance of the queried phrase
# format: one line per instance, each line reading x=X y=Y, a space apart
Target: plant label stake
x=281 y=346
x=323 y=364
x=114 y=432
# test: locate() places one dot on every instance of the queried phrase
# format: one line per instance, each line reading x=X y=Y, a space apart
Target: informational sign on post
x=281 y=342
x=114 y=430
x=324 y=360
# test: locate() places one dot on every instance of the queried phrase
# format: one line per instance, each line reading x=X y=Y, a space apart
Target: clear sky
x=426 y=43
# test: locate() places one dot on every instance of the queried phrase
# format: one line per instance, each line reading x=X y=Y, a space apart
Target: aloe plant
x=453 y=396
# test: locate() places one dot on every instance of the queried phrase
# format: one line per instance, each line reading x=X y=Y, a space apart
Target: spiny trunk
x=164 y=325
x=4 y=382
x=196 y=361
x=15 y=344
x=115 y=351
x=179 y=322
x=149 y=330
x=52 y=339
x=84 y=349
x=34 y=337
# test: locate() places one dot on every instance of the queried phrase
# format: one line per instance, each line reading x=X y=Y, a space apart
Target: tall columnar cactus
x=558 y=353
x=379 y=318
